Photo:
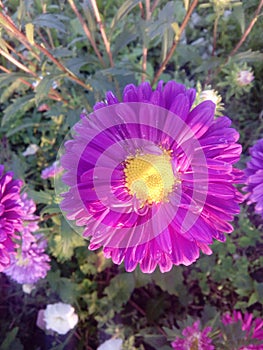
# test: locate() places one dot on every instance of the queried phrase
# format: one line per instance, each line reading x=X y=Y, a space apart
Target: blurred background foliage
x=57 y=59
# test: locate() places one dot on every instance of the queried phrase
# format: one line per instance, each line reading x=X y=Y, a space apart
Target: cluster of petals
x=254 y=174
x=153 y=237
x=194 y=338
x=244 y=77
x=252 y=326
x=29 y=262
x=51 y=171
x=10 y=215
x=58 y=317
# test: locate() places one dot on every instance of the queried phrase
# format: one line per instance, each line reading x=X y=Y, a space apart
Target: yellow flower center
x=150 y=177
x=194 y=345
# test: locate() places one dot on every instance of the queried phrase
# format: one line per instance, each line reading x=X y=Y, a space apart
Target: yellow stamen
x=150 y=177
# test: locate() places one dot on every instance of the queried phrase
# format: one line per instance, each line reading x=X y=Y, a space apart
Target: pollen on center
x=150 y=177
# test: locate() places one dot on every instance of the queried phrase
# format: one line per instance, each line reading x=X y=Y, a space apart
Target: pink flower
x=245 y=77
x=51 y=171
x=151 y=179
x=29 y=263
x=252 y=327
x=10 y=215
x=254 y=174
x=194 y=339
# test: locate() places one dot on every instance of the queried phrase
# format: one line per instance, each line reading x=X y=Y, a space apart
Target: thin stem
x=87 y=31
x=155 y=4
x=62 y=67
x=241 y=41
x=51 y=43
x=4 y=69
x=23 y=58
x=171 y=51
x=9 y=26
x=145 y=49
x=17 y=63
x=54 y=95
x=248 y=30
x=144 y=62
x=47 y=217
x=102 y=31
x=215 y=34
x=141 y=9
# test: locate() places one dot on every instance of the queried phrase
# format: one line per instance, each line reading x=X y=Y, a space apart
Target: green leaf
x=248 y=56
x=45 y=85
x=40 y=196
x=123 y=39
x=252 y=299
x=239 y=14
x=11 y=342
x=24 y=126
x=120 y=289
x=21 y=104
x=142 y=279
x=123 y=11
x=155 y=340
x=9 y=78
x=50 y=21
x=76 y=63
x=171 y=282
x=259 y=291
x=64 y=287
x=9 y=90
x=3 y=46
x=62 y=245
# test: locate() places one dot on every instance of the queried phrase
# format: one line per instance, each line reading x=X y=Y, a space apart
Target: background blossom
x=254 y=174
x=58 y=317
x=252 y=327
x=194 y=338
x=51 y=171
x=29 y=263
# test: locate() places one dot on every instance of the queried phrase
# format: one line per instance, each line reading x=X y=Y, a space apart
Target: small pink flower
x=245 y=77
x=194 y=339
x=253 y=328
x=51 y=171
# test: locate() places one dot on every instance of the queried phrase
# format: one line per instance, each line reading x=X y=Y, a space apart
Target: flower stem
x=145 y=49
x=9 y=26
x=247 y=31
x=176 y=41
x=102 y=31
x=87 y=31
x=240 y=43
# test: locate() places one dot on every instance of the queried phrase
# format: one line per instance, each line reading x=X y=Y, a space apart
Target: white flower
x=60 y=317
x=111 y=344
x=31 y=150
x=211 y=95
x=245 y=77
x=28 y=287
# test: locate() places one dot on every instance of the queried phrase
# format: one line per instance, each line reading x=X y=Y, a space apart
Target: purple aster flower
x=252 y=327
x=10 y=214
x=51 y=171
x=30 y=263
x=150 y=179
x=30 y=220
x=194 y=338
x=254 y=173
